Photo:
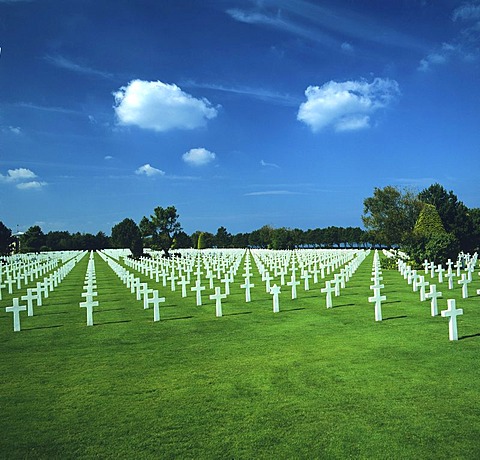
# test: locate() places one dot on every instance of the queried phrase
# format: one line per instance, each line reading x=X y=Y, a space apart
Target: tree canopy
x=5 y=239
x=126 y=234
x=161 y=228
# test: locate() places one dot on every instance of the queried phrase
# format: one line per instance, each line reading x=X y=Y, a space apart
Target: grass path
x=304 y=383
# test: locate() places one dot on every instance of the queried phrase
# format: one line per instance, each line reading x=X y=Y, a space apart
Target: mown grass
x=304 y=383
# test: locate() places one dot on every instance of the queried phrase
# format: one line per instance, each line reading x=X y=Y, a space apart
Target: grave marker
x=452 y=312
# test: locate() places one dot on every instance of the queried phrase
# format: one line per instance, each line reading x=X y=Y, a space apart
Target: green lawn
x=304 y=383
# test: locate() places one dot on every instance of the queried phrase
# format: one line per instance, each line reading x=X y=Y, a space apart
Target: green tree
x=390 y=214
x=33 y=240
x=161 y=228
x=223 y=239
x=454 y=214
x=5 y=239
x=126 y=234
x=428 y=222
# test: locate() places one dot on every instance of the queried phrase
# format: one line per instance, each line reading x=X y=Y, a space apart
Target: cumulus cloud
x=198 y=157
x=19 y=176
x=160 y=107
x=149 y=171
x=269 y=165
x=32 y=185
x=346 y=106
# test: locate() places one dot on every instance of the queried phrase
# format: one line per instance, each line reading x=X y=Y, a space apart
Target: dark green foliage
x=126 y=234
x=32 y=240
x=160 y=229
x=428 y=223
x=454 y=214
x=390 y=214
x=182 y=240
x=5 y=239
x=223 y=239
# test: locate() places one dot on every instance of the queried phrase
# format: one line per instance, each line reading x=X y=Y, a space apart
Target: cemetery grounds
x=306 y=382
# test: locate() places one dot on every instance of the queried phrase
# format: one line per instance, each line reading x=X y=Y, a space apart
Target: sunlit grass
x=303 y=383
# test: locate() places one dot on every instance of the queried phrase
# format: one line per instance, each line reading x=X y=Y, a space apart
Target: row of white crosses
x=134 y=283
x=42 y=289
x=418 y=281
x=89 y=290
x=21 y=272
x=377 y=297
x=340 y=279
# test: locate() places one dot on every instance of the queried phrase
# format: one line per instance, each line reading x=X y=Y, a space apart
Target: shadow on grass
x=292 y=309
x=53 y=313
x=395 y=317
x=391 y=301
x=469 y=336
x=113 y=322
x=174 y=319
x=239 y=313
x=41 y=327
x=344 y=305
x=109 y=309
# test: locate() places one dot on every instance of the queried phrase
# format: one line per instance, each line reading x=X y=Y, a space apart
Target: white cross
x=10 y=283
x=294 y=285
x=377 y=298
x=422 y=284
x=452 y=314
x=434 y=295
x=198 y=288
x=450 y=277
x=275 y=291
x=440 y=271
x=267 y=278
x=247 y=286
x=306 y=276
x=89 y=304
x=328 y=289
x=218 y=296
x=156 y=301
x=29 y=297
x=183 y=282
x=16 y=308
x=464 y=282
x=226 y=281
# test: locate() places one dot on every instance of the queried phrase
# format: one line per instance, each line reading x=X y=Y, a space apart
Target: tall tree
x=5 y=239
x=390 y=214
x=454 y=214
x=33 y=240
x=126 y=234
x=223 y=239
x=161 y=228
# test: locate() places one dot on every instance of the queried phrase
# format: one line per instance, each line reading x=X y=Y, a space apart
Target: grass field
x=304 y=383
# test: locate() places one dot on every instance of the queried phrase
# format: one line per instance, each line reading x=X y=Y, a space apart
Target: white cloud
x=18 y=174
x=160 y=107
x=346 y=47
x=346 y=105
x=149 y=171
x=64 y=63
x=32 y=185
x=466 y=12
x=198 y=157
x=271 y=165
x=108 y=157
x=14 y=129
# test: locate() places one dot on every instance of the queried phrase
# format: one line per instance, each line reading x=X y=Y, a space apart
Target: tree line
x=432 y=224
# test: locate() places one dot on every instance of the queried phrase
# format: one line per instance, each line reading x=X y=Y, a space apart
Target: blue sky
x=240 y=113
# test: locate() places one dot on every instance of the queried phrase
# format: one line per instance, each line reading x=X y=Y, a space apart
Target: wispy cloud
x=464 y=46
x=65 y=63
x=269 y=165
x=27 y=105
x=272 y=192
x=329 y=26
x=32 y=185
x=255 y=93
